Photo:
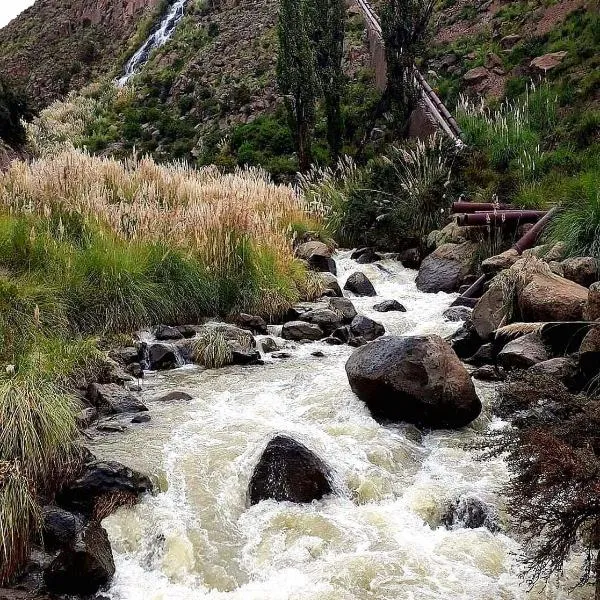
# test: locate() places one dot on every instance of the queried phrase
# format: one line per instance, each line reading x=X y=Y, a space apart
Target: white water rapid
x=160 y=37
x=378 y=538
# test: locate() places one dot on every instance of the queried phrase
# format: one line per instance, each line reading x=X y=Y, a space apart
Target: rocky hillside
x=56 y=46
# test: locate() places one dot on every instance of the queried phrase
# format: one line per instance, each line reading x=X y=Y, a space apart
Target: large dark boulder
x=161 y=357
x=344 y=307
x=415 y=379
x=331 y=285
x=59 y=527
x=84 y=567
x=252 y=323
x=288 y=471
x=300 y=330
x=113 y=399
x=465 y=341
x=411 y=258
x=327 y=319
x=447 y=268
x=166 y=333
x=366 y=328
x=358 y=283
x=365 y=256
x=101 y=479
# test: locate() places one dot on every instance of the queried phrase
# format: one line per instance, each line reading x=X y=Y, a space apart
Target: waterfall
x=160 y=37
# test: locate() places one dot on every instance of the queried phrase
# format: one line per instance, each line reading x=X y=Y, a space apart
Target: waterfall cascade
x=160 y=37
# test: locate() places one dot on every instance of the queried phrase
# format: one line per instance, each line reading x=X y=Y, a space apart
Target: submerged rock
x=83 y=567
x=415 y=379
x=389 y=306
x=288 y=471
x=359 y=284
x=470 y=512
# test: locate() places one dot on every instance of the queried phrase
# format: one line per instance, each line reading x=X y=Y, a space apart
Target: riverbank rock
x=113 y=399
x=84 y=567
x=524 y=352
x=465 y=342
x=548 y=297
x=252 y=323
x=589 y=352
x=359 y=284
x=125 y=356
x=411 y=258
x=365 y=328
x=301 y=330
x=454 y=314
x=331 y=285
x=563 y=368
x=389 y=306
x=328 y=320
x=288 y=471
x=101 y=479
x=59 y=527
x=318 y=256
x=161 y=357
x=167 y=333
x=415 y=379
x=344 y=307
x=582 y=270
x=592 y=306
x=494 y=264
x=446 y=268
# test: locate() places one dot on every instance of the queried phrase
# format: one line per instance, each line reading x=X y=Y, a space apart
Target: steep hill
x=56 y=46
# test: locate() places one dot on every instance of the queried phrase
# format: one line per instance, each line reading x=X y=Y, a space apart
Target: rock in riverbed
x=288 y=470
x=389 y=306
x=358 y=283
x=366 y=328
x=300 y=330
x=415 y=379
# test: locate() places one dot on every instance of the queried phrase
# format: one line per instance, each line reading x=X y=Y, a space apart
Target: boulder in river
x=162 y=357
x=288 y=471
x=59 y=527
x=389 y=306
x=114 y=399
x=470 y=512
x=84 y=566
x=457 y=313
x=344 y=307
x=465 y=341
x=253 y=323
x=102 y=479
x=318 y=256
x=365 y=256
x=360 y=285
x=411 y=258
x=327 y=319
x=415 y=379
x=300 y=330
x=331 y=285
x=365 y=328
x=447 y=267
x=167 y=333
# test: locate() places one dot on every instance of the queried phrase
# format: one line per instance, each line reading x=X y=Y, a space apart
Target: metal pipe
x=500 y=217
x=531 y=237
x=470 y=207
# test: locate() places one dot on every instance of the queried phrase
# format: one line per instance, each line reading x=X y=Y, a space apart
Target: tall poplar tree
x=296 y=74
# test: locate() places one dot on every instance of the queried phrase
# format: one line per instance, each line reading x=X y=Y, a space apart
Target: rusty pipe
x=531 y=237
x=499 y=217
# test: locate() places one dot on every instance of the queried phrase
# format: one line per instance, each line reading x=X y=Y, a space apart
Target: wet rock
x=333 y=341
x=102 y=479
x=365 y=328
x=318 y=256
x=288 y=471
x=162 y=357
x=297 y=310
x=446 y=268
x=457 y=313
x=241 y=356
x=142 y=418
x=300 y=330
x=113 y=399
x=135 y=370
x=582 y=270
x=470 y=512
x=125 y=356
x=360 y=285
x=342 y=334
x=111 y=426
x=86 y=417
x=84 y=567
x=411 y=258
x=592 y=306
x=487 y=373
x=465 y=342
x=368 y=256
x=389 y=306
x=268 y=345
x=328 y=320
x=331 y=284
x=524 y=352
x=253 y=323
x=281 y=355
x=344 y=307
x=175 y=397
x=318 y=354
x=356 y=341
x=167 y=333
x=416 y=379
x=483 y=356
x=552 y=298
x=59 y=527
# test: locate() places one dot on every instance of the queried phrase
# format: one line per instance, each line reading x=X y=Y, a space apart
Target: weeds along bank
x=91 y=246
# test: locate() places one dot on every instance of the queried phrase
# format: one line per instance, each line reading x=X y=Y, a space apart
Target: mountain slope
x=56 y=46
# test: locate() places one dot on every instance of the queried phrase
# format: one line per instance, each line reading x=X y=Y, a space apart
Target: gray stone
x=300 y=330
x=358 y=283
x=365 y=328
x=524 y=352
x=389 y=306
x=113 y=399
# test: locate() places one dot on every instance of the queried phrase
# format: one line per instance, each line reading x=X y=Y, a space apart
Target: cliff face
x=56 y=45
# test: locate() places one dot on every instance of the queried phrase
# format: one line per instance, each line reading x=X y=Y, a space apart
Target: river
x=377 y=538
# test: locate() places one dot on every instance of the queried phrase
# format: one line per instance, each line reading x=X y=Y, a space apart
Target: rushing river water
x=378 y=538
